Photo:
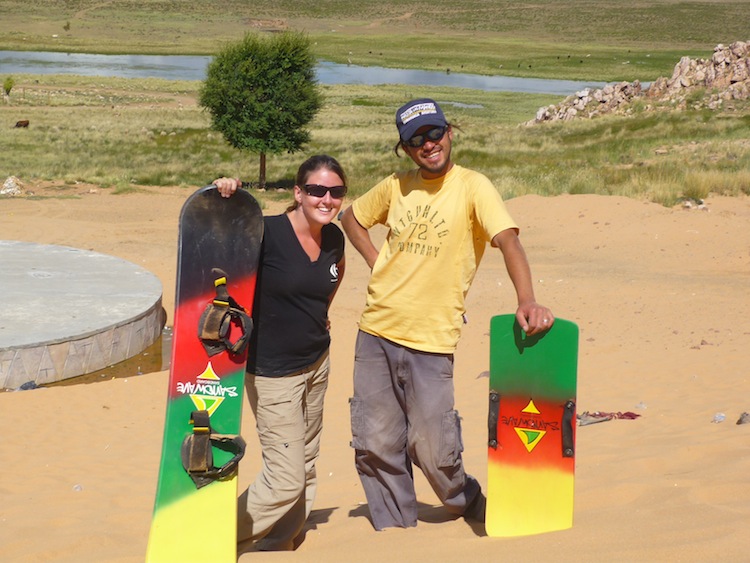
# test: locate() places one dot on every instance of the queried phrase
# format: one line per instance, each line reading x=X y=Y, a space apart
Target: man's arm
x=359 y=237
x=533 y=317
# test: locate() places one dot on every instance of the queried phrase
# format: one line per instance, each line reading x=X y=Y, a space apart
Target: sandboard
x=193 y=523
x=532 y=425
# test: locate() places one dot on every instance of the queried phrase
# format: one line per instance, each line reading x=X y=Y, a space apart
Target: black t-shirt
x=290 y=310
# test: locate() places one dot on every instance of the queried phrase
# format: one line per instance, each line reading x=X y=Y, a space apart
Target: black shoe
x=476 y=509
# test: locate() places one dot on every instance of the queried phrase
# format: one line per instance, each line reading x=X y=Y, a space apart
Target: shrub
x=8 y=85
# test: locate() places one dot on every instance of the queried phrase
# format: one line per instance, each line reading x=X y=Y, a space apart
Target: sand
x=661 y=298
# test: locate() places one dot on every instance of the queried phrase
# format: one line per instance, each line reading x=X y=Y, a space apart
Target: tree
x=261 y=93
x=8 y=84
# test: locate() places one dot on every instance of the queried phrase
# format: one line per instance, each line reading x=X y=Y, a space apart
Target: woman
x=301 y=266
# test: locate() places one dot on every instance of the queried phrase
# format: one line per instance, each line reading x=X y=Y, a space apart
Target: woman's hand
x=227 y=186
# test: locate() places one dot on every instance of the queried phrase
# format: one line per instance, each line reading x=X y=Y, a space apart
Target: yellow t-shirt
x=438 y=231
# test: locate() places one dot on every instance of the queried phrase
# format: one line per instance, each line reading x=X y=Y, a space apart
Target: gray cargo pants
x=402 y=412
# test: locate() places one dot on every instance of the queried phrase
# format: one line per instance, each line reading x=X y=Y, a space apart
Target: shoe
x=477 y=508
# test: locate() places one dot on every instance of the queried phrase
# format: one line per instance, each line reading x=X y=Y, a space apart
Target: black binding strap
x=197 y=454
x=494 y=413
x=568 y=443
x=216 y=321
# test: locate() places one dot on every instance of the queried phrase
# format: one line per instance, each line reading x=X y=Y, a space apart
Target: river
x=188 y=67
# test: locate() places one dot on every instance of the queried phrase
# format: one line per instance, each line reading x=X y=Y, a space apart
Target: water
x=190 y=67
x=171 y=67
x=333 y=73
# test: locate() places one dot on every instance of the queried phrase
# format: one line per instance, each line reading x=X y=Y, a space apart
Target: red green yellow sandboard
x=193 y=523
x=532 y=425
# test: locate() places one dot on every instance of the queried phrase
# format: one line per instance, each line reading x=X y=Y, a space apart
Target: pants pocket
x=451 y=444
x=357 y=414
x=277 y=415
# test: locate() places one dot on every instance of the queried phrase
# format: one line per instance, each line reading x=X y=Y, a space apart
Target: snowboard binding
x=216 y=321
x=197 y=452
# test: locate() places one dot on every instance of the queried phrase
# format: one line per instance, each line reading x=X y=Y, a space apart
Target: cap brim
x=411 y=128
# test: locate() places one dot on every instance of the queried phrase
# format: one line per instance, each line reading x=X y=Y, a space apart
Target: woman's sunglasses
x=316 y=190
x=434 y=134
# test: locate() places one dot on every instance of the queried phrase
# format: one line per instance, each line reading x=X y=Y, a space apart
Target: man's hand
x=534 y=318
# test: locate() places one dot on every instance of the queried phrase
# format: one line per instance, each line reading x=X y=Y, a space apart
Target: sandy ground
x=661 y=298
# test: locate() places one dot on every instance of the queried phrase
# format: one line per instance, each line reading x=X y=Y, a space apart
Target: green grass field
x=122 y=133
x=603 y=40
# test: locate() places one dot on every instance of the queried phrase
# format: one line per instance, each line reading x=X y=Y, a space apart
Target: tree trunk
x=262 y=173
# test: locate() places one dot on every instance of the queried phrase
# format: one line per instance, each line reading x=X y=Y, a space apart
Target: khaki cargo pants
x=289 y=420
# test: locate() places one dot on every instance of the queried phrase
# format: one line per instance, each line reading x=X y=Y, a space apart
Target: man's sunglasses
x=434 y=134
x=316 y=190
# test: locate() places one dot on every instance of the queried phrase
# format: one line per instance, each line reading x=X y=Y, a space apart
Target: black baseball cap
x=418 y=113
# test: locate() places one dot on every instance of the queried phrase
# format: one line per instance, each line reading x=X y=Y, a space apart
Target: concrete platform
x=66 y=312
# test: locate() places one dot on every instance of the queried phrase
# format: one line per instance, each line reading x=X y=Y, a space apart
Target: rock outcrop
x=710 y=83
x=12 y=186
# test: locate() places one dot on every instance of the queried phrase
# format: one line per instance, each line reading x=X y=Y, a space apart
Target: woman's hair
x=316 y=163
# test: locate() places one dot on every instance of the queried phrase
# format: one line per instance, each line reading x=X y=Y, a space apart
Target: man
x=440 y=217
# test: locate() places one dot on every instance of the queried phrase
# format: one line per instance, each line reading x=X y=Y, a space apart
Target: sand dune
x=661 y=298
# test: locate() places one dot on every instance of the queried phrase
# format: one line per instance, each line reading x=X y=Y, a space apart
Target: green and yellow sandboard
x=532 y=426
x=195 y=511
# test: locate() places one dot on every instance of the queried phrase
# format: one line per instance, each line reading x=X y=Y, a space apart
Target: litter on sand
x=586 y=417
